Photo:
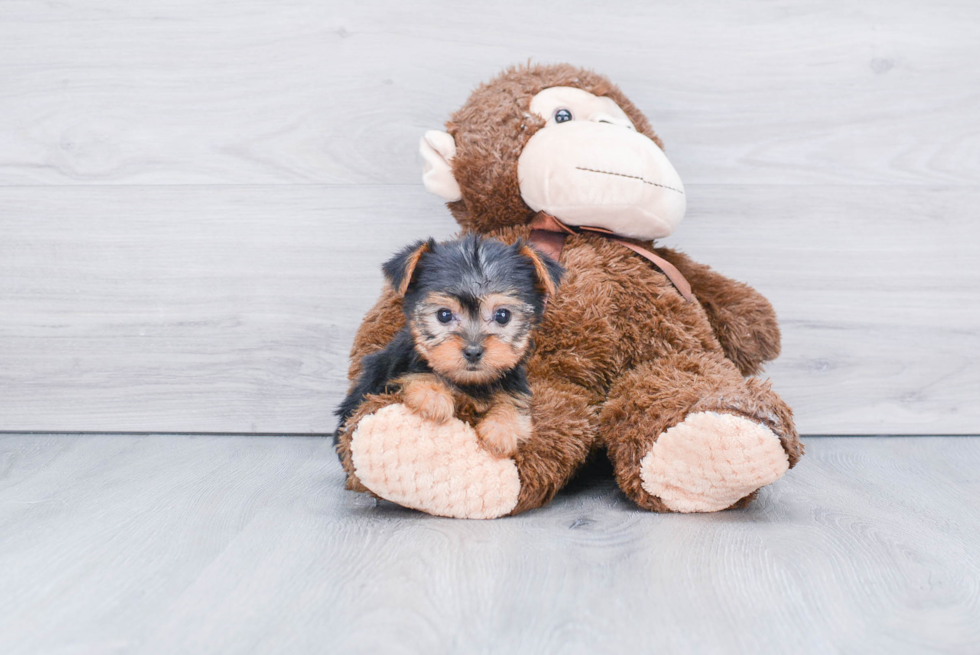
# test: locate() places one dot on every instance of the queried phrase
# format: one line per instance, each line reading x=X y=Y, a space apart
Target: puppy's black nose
x=473 y=353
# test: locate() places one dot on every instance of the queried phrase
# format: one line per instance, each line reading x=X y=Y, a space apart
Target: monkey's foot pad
x=436 y=468
x=709 y=461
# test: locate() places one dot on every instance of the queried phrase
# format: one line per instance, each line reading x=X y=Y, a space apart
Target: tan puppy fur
x=441 y=344
x=505 y=426
x=428 y=396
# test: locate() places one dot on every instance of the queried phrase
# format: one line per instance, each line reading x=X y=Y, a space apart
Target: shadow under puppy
x=470 y=305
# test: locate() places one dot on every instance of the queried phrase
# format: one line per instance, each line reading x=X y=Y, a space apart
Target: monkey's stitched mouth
x=632 y=177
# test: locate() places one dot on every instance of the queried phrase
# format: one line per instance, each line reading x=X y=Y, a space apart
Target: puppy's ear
x=549 y=271
x=399 y=269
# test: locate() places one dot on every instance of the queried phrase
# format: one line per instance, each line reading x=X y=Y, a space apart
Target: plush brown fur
x=491 y=129
x=742 y=320
x=658 y=394
x=620 y=356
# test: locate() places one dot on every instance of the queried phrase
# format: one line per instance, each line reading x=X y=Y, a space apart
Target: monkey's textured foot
x=710 y=461
x=438 y=468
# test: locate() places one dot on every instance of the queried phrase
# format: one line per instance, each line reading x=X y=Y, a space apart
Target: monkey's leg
x=687 y=433
x=564 y=429
x=437 y=467
x=442 y=469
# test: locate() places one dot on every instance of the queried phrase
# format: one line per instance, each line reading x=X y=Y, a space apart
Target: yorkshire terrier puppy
x=470 y=305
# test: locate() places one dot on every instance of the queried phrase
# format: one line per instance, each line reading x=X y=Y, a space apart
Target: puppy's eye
x=563 y=115
x=502 y=316
x=444 y=315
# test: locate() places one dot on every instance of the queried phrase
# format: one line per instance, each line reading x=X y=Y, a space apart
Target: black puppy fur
x=466 y=269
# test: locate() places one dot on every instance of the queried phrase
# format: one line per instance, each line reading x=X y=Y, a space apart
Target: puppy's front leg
x=505 y=425
x=428 y=396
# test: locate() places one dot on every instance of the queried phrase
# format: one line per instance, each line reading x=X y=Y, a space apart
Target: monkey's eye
x=563 y=115
x=502 y=316
x=444 y=315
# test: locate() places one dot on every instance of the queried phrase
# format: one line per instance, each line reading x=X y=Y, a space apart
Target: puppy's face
x=471 y=303
x=472 y=339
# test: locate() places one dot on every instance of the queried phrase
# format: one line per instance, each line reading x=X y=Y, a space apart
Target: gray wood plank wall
x=195 y=197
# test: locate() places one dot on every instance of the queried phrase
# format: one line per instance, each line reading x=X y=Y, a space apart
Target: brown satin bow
x=548 y=235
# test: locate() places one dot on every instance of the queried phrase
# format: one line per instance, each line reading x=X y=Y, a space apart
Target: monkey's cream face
x=472 y=343
x=588 y=166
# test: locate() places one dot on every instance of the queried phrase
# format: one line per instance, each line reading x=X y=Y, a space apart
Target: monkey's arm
x=742 y=319
x=379 y=327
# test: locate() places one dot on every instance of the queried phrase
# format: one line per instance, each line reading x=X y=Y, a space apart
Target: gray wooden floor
x=236 y=544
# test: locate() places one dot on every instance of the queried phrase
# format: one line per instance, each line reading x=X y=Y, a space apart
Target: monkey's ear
x=438 y=149
x=548 y=270
x=399 y=269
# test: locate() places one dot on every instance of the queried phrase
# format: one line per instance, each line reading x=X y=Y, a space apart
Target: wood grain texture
x=233 y=309
x=191 y=309
x=194 y=199
x=250 y=544
x=253 y=91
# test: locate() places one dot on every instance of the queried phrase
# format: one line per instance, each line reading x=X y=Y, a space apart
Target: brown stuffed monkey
x=624 y=359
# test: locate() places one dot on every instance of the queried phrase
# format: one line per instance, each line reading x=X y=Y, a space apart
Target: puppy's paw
x=429 y=398
x=500 y=432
